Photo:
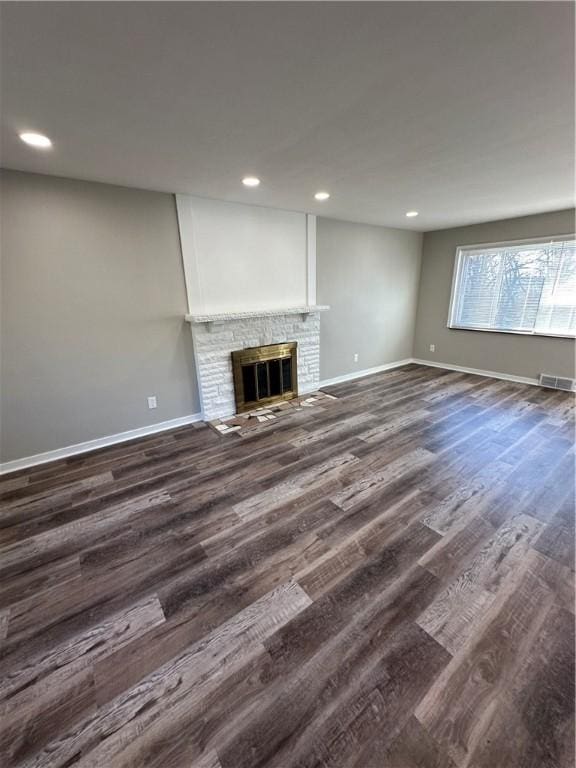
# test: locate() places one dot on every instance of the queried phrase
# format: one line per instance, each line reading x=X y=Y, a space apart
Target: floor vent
x=557 y=382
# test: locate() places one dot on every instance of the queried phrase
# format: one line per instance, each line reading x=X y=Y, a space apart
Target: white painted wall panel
x=242 y=257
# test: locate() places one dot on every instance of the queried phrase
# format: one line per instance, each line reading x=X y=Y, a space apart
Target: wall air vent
x=557 y=382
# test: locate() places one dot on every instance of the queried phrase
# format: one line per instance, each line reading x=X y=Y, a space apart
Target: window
x=517 y=288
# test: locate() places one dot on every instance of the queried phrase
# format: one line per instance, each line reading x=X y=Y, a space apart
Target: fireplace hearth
x=264 y=375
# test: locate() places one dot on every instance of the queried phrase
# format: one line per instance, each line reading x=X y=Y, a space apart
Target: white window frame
x=461 y=251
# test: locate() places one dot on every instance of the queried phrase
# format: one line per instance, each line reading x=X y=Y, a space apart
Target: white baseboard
x=365 y=372
x=431 y=364
x=100 y=442
x=477 y=371
x=151 y=429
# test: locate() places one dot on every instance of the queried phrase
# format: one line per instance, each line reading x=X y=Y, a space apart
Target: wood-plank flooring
x=384 y=582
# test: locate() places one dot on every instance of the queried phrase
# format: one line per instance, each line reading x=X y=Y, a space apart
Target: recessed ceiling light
x=251 y=181
x=322 y=195
x=411 y=214
x=36 y=140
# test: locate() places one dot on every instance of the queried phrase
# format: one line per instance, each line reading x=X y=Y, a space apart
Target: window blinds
x=527 y=288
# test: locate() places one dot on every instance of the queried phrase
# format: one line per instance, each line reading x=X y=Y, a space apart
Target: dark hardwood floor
x=383 y=582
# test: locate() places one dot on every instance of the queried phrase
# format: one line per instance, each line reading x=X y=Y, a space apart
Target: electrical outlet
x=356 y=357
x=152 y=402
x=432 y=347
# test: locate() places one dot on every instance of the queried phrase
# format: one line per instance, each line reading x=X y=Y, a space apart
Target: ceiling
x=462 y=111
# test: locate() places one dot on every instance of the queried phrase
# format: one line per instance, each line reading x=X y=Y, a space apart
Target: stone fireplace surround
x=216 y=336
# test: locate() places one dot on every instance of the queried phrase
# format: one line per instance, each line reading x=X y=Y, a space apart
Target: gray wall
x=500 y=352
x=93 y=301
x=369 y=276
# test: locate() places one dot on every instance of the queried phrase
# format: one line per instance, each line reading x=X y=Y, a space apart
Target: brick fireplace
x=216 y=336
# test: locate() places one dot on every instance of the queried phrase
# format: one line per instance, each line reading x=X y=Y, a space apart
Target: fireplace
x=265 y=375
x=216 y=336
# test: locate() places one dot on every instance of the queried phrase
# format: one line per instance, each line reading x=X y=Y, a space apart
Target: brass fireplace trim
x=253 y=355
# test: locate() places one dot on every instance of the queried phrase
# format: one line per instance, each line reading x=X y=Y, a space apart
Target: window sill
x=529 y=334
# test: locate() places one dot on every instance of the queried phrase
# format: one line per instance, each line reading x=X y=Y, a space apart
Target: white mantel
x=219 y=317
x=215 y=341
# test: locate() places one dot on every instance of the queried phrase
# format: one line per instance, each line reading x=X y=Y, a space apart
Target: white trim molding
x=310 y=258
x=477 y=371
x=194 y=293
x=100 y=442
x=365 y=372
